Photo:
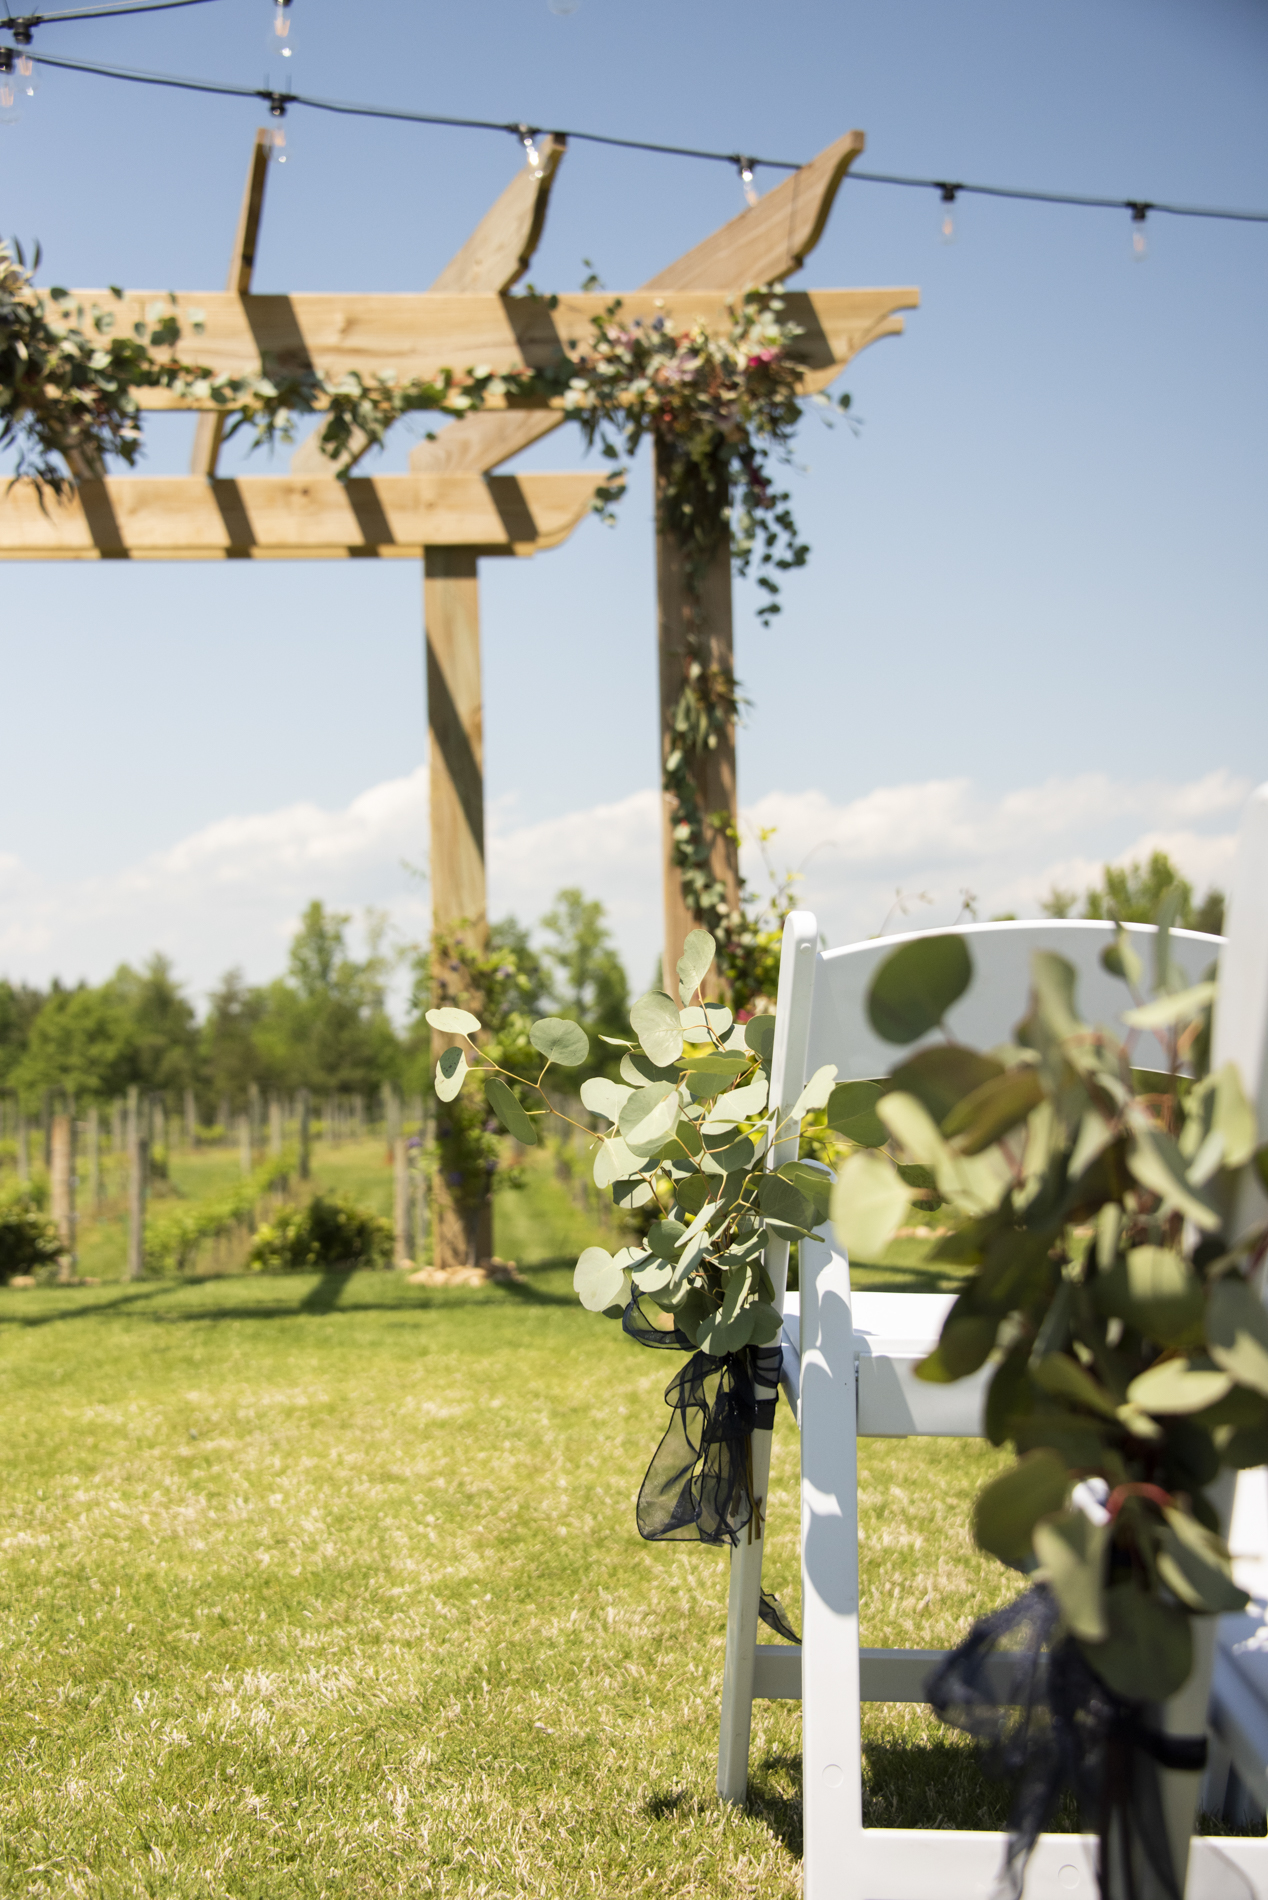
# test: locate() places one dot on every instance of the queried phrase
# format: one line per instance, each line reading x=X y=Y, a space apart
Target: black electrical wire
x=278 y=101
x=22 y=25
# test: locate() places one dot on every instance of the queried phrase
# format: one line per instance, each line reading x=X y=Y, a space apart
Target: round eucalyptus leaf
x=603 y=1097
x=654 y=1021
x=852 y=1113
x=1148 y=1653
x=916 y=986
x=759 y=1036
x=560 y=1041
x=453 y=1022
x=694 y=963
x=451 y=1073
x=597 y=1280
x=510 y=1111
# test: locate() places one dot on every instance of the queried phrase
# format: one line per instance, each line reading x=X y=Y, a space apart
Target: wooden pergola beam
x=210 y=427
x=284 y=517
x=421 y=336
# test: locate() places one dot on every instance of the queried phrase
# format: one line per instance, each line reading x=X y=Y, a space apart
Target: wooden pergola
x=451 y=509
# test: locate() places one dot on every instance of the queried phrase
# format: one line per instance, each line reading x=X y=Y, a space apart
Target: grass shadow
x=126 y=1300
x=774 y=1796
x=326 y=1295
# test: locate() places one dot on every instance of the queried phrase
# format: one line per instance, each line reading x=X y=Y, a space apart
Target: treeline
x=323 y=1026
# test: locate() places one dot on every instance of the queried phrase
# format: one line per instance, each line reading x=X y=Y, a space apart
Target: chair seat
x=893 y=1332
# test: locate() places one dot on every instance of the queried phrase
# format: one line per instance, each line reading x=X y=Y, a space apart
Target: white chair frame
x=849 y=1366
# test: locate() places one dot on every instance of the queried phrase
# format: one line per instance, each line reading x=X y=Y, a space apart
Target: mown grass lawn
x=331 y=1587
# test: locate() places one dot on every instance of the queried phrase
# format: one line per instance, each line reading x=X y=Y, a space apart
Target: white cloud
x=231 y=892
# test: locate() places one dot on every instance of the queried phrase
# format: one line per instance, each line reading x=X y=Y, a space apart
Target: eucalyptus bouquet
x=689 y=1126
x=1109 y=1226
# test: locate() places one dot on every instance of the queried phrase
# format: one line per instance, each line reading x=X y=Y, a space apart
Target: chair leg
x=741 y=1636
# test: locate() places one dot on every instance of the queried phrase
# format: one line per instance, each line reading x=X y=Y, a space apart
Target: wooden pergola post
x=691 y=627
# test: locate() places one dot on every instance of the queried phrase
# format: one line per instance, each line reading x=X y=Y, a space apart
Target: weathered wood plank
x=419 y=336
x=211 y=425
x=282 y=517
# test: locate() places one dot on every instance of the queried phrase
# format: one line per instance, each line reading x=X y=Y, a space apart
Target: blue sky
x=1031 y=635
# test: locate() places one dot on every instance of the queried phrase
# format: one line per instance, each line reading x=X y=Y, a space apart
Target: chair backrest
x=997 y=998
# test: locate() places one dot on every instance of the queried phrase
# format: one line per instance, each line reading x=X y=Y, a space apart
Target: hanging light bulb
x=28 y=84
x=280 y=40
x=528 y=140
x=948 y=193
x=745 y=169
x=1139 y=242
x=9 y=110
x=276 y=135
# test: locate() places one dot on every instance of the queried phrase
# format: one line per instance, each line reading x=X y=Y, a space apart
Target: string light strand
x=278 y=102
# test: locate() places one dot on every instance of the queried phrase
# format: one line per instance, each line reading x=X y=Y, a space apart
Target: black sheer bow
x=1047 y=1722
x=700 y=1482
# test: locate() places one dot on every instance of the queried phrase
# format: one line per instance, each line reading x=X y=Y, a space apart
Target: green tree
x=1131 y=894
x=230 y=1059
x=84 y=1041
x=586 y=978
x=19 y=1007
x=164 y=1023
x=325 y=1026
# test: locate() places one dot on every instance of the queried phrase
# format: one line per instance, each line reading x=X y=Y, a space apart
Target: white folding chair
x=849 y=1366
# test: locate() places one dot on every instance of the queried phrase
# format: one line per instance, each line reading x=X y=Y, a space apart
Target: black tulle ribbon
x=699 y=1484
x=1046 y=1721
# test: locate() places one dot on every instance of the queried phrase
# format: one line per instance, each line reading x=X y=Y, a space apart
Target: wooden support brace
x=211 y=425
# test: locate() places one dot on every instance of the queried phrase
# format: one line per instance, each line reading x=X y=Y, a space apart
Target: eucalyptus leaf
x=1157 y=1164
x=721 y=1335
x=636 y=1069
x=1176 y=1386
x=1155 y=1290
x=1121 y=960
x=655 y=1275
x=1233 y=1117
x=1007 y=1510
x=654 y=1021
x=665 y=1237
x=868 y=1203
x=729 y=1157
x=1197 y=1567
x=603 y=1097
x=634 y=1193
x=816 y=1092
x=1053 y=981
x=1165 y=1011
x=453 y=1022
x=1064 y=1378
x=451 y=1073
x=915 y=987
x=510 y=1111
x=737 y=1105
x=561 y=1041
x=780 y=1201
x=993 y=1110
x=943 y=1075
x=759 y=1036
x=695 y=963
x=1073 y=1552
x=614 y=1161
x=767 y=1324
x=706 y=1022
x=1237 y=1332
x=813 y=1180
x=1148 y=1653
x=852 y=1113
x=597 y=1280
x=649 y=1117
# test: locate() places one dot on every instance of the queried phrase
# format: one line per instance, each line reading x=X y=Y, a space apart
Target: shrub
x=28 y=1241
x=330 y=1234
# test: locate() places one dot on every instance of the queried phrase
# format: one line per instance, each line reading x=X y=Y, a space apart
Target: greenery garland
x=718 y=408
